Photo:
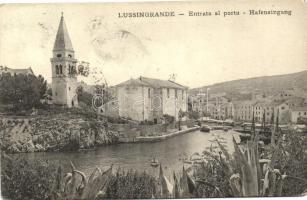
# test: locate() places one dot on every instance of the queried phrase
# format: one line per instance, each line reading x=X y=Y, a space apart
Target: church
x=63 y=63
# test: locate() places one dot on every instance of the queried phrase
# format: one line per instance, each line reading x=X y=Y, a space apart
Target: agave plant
x=252 y=180
x=91 y=188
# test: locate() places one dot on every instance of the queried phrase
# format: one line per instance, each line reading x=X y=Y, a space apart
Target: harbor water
x=137 y=156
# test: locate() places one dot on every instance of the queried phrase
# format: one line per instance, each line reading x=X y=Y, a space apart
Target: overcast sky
x=199 y=50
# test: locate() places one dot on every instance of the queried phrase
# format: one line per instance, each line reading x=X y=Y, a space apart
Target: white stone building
x=297 y=113
x=149 y=99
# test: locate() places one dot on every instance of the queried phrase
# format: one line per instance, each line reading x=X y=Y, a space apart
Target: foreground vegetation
x=282 y=173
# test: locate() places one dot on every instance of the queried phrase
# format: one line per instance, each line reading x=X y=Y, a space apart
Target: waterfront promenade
x=164 y=137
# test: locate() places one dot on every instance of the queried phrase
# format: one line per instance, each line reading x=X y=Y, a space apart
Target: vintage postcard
x=140 y=100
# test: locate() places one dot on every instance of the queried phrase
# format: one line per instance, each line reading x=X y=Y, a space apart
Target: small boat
x=196 y=158
x=241 y=130
x=217 y=127
x=198 y=162
x=154 y=163
x=205 y=129
x=187 y=161
x=245 y=137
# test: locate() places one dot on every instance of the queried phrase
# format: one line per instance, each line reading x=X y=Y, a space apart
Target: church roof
x=134 y=82
x=151 y=82
x=158 y=83
x=62 y=40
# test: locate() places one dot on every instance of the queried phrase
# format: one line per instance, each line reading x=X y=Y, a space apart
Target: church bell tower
x=63 y=63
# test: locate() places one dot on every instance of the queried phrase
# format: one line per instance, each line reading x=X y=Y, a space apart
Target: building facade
x=298 y=113
x=63 y=64
x=149 y=99
x=244 y=110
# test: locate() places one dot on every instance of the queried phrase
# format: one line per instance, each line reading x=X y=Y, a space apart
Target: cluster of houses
x=290 y=106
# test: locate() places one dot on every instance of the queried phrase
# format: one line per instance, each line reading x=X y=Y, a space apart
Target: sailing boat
x=154 y=162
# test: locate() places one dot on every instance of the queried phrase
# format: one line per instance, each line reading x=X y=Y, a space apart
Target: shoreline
x=144 y=139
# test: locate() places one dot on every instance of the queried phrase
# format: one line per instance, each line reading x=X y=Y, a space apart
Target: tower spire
x=62 y=40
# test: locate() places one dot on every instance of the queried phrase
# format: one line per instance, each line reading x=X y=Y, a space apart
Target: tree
x=84 y=96
x=181 y=114
x=193 y=114
x=22 y=91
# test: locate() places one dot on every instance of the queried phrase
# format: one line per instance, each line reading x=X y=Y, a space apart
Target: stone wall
x=149 y=130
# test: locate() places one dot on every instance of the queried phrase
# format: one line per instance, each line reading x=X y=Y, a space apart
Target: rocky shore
x=20 y=135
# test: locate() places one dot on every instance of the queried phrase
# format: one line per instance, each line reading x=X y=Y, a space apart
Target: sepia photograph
x=153 y=100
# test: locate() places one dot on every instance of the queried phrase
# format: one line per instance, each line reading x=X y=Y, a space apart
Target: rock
x=13 y=149
x=29 y=146
x=19 y=146
x=39 y=148
x=35 y=139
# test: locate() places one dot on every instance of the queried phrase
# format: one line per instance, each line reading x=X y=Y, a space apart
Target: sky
x=200 y=50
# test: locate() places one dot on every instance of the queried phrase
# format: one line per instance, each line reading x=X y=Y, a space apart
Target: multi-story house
x=243 y=110
x=298 y=113
x=149 y=99
x=270 y=110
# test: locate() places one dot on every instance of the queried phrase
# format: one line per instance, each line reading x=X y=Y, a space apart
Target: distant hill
x=265 y=84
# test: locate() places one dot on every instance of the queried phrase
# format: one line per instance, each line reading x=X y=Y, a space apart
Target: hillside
x=264 y=84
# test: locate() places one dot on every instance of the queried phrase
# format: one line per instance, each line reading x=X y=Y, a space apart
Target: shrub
x=290 y=157
x=169 y=119
x=130 y=185
x=147 y=122
x=193 y=115
x=116 y=120
x=22 y=179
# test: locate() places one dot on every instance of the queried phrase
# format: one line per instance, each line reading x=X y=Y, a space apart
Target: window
x=70 y=69
x=167 y=92
x=176 y=94
x=59 y=55
x=305 y=113
x=182 y=94
x=61 y=69
x=282 y=108
x=148 y=92
x=69 y=88
x=299 y=113
x=69 y=56
x=56 y=69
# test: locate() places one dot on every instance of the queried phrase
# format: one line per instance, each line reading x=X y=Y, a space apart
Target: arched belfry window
x=69 y=69
x=56 y=69
x=61 y=69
